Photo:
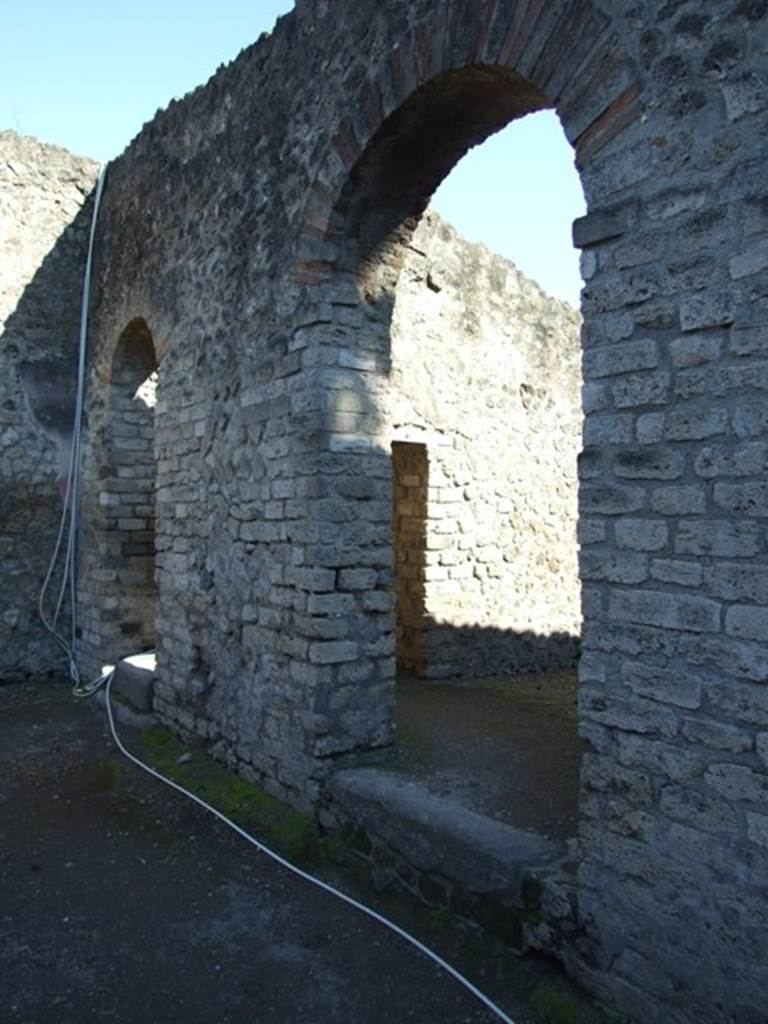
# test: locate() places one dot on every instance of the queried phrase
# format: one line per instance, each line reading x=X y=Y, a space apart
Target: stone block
x=757 y=829
x=378 y=601
x=679 y=500
x=693 y=349
x=636 y=715
x=597 y=227
x=134 y=680
x=709 y=309
x=649 y=428
x=695 y=422
x=649 y=463
x=357 y=579
x=642 y=534
x=670 y=611
x=666 y=685
x=611 y=500
x=614 y=567
x=670 y=762
x=742 y=460
x=635 y=390
x=717 y=735
x=330 y=604
x=694 y=808
x=747 y=622
x=677 y=571
x=735 y=659
x=719 y=537
x=333 y=652
x=611 y=428
x=738 y=581
x=628 y=357
x=737 y=782
x=750 y=499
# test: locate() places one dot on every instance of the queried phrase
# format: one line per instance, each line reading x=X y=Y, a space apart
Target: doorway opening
x=128 y=493
x=410 y=484
x=477 y=371
x=483 y=415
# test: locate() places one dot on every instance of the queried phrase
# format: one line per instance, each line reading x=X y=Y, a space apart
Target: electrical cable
x=349 y=900
x=68 y=519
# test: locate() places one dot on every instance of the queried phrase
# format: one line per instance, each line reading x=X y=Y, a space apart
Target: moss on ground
x=550 y=999
x=291 y=833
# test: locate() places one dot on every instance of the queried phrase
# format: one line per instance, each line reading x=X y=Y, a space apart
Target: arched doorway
x=372 y=233
x=118 y=577
x=130 y=514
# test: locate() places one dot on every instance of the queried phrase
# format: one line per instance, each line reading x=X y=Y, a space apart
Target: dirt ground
x=506 y=747
x=120 y=901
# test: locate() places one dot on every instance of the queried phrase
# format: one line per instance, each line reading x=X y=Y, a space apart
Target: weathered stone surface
x=439 y=837
x=44 y=223
x=269 y=273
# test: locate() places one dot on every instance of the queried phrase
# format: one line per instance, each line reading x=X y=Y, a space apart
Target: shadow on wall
x=452 y=651
x=38 y=367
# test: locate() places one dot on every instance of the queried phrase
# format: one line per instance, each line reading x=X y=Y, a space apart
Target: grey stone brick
x=710 y=309
x=636 y=355
x=757 y=828
x=614 y=566
x=738 y=782
x=357 y=579
x=747 y=622
x=734 y=659
x=719 y=537
x=612 y=500
x=663 y=685
x=333 y=652
x=749 y=499
x=693 y=349
x=330 y=604
x=649 y=428
x=694 y=808
x=614 y=428
x=638 y=389
x=649 y=463
x=676 y=571
x=642 y=534
x=736 y=461
x=671 y=611
x=717 y=735
x=670 y=762
x=677 y=500
x=695 y=422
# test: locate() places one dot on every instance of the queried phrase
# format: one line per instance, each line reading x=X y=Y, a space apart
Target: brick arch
x=118 y=590
x=456 y=78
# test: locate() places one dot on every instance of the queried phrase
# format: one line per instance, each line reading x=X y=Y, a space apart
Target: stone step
x=134 y=680
x=466 y=858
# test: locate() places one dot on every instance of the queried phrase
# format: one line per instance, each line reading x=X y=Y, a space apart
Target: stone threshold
x=513 y=884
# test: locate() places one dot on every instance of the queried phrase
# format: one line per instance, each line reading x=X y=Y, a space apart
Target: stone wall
x=485 y=373
x=44 y=223
x=259 y=227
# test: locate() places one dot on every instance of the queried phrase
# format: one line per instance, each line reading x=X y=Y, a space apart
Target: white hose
x=72 y=494
x=425 y=950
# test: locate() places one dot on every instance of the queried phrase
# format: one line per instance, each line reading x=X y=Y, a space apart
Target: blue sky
x=87 y=75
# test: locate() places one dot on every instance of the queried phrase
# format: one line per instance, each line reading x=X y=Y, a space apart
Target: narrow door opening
x=130 y=489
x=410 y=469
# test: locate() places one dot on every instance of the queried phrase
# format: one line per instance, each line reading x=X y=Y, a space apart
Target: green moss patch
x=270 y=820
